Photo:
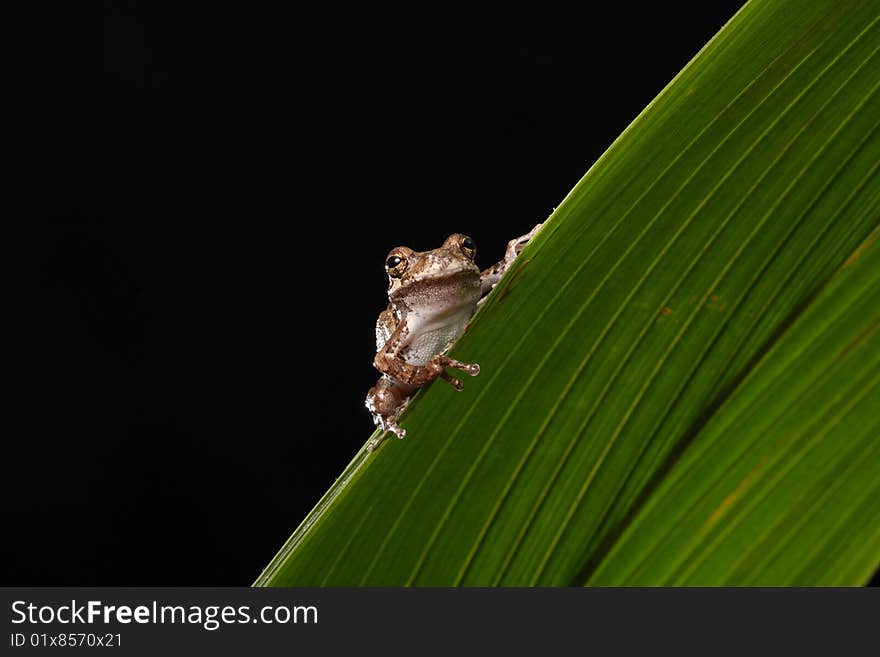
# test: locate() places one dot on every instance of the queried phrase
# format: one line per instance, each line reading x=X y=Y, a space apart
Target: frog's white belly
x=431 y=336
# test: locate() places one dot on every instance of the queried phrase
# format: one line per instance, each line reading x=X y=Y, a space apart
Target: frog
x=432 y=295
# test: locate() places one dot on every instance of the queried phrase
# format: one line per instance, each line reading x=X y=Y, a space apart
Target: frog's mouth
x=453 y=290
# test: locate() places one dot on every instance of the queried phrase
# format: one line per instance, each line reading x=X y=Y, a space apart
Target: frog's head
x=450 y=263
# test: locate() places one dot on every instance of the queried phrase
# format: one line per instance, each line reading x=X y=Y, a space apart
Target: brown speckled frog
x=432 y=296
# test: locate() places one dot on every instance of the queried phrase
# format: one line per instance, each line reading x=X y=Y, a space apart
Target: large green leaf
x=678 y=377
x=781 y=484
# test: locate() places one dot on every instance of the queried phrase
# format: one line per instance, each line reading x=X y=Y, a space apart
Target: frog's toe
x=468 y=368
x=455 y=383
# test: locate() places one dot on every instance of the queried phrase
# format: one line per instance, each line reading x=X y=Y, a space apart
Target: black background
x=201 y=202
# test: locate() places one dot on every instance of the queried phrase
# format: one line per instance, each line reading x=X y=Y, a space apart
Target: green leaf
x=781 y=484
x=679 y=374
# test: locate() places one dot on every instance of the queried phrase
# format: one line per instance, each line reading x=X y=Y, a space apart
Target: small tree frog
x=432 y=296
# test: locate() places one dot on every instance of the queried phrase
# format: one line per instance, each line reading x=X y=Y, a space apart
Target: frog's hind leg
x=386 y=401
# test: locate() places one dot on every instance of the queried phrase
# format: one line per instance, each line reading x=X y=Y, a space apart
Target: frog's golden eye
x=468 y=247
x=395 y=266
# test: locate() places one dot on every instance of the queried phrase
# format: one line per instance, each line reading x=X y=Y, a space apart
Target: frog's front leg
x=489 y=277
x=390 y=360
x=418 y=375
x=387 y=399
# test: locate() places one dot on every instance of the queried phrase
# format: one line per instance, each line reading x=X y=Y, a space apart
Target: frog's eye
x=395 y=266
x=468 y=247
